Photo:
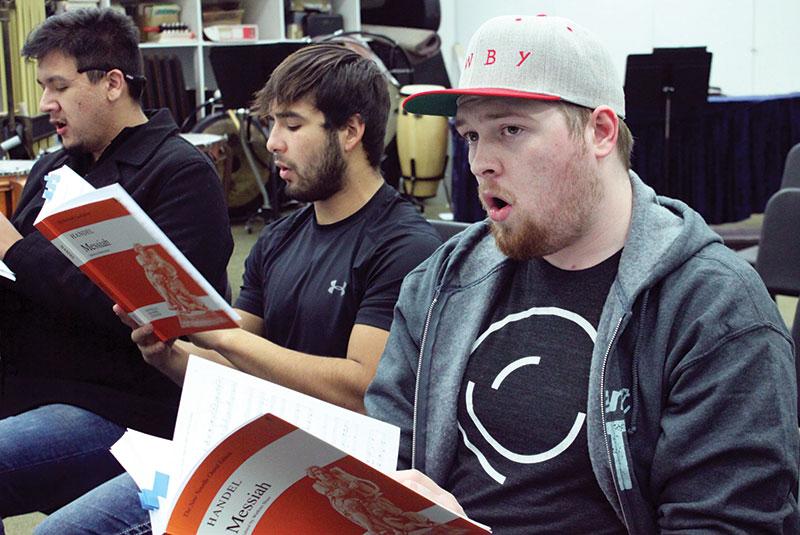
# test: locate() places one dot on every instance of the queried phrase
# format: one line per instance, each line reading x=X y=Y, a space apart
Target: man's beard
x=322 y=180
x=77 y=148
x=539 y=237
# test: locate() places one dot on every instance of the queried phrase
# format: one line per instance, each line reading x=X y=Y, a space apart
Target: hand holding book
x=170 y=357
x=422 y=484
x=156 y=352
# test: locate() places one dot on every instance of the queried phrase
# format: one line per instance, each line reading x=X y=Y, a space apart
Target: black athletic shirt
x=311 y=283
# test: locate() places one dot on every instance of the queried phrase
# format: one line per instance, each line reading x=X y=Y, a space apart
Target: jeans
x=113 y=508
x=50 y=460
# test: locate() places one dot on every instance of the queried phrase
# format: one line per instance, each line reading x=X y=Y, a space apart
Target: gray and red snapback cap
x=531 y=57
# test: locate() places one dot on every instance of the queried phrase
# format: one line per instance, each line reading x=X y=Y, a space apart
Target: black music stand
x=240 y=72
x=669 y=84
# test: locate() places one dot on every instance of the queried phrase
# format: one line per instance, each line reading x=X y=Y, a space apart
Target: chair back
x=745 y=240
x=796 y=333
x=447 y=229
x=791 y=169
x=796 y=338
x=778 y=256
x=778 y=260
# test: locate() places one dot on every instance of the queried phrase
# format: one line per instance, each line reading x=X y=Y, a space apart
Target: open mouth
x=494 y=202
x=499 y=203
x=283 y=170
x=497 y=208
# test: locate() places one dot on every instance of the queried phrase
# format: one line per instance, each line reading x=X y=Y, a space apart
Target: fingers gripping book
x=107 y=235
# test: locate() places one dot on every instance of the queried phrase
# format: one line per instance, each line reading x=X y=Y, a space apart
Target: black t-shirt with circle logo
x=523 y=463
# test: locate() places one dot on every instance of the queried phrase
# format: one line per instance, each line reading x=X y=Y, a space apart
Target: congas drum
x=216 y=147
x=421 y=147
x=13 y=175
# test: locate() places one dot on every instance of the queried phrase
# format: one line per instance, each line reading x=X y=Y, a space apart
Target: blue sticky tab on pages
x=149 y=498
x=51 y=181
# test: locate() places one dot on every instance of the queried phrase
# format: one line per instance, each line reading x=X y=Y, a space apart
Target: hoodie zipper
x=603 y=417
x=419 y=370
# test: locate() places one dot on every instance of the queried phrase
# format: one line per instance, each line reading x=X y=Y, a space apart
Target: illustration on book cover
x=362 y=502
x=163 y=276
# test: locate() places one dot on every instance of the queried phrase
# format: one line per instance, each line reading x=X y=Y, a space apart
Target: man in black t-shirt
x=321 y=282
x=522 y=404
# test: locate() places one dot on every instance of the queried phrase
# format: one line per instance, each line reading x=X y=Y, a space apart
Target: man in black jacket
x=72 y=380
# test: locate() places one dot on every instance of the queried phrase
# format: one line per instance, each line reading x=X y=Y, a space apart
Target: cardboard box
x=214 y=17
x=62 y=6
x=231 y=32
x=151 y=14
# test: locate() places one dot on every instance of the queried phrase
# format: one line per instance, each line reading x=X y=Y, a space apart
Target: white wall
x=755 y=43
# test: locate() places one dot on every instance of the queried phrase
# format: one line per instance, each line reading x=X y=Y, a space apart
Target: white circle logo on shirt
x=520 y=458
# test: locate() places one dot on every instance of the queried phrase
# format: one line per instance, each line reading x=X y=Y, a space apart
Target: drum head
x=413 y=89
x=19 y=168
x=202 y=141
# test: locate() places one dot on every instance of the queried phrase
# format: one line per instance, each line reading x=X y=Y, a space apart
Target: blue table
x=725 y=163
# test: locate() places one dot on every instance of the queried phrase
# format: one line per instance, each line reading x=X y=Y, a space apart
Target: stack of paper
x=215 y=401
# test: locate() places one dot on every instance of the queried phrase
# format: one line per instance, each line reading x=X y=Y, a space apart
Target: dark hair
x=99 y=38
x=340 y=83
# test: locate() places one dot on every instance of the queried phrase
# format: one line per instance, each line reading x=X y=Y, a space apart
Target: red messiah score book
x=270 y=477
x=115 y=243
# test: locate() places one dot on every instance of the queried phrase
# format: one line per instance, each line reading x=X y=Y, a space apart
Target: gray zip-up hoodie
x=692 y=412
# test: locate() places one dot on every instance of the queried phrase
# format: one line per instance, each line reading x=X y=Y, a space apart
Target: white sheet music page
x=143 y=455
x=216 y=400
x=61 y=185
x=6 y=272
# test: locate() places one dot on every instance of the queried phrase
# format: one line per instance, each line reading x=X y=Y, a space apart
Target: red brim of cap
x=443 y=101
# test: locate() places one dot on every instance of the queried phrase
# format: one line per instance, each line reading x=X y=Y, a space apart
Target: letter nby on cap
x=533 y=57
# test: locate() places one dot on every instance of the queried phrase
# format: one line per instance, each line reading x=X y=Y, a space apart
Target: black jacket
x=60 y=342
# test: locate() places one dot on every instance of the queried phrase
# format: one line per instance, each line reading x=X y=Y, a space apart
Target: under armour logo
x=336 y=288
